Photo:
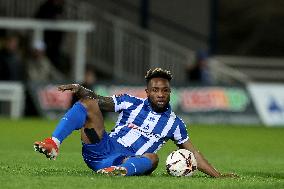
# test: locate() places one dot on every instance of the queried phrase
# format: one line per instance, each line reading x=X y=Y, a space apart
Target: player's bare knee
x=153 y=157
x=92 y=107
x=90 y=104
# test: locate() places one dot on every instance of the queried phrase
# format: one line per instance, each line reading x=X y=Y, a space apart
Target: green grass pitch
x=255 y=153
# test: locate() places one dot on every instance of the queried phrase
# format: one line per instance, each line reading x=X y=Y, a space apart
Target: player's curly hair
x=158 y=72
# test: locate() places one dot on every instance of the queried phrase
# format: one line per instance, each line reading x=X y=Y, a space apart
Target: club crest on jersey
x=152 y=119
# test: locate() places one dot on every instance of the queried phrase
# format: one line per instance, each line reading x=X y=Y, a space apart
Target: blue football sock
x=74 y=119
x=137 y=165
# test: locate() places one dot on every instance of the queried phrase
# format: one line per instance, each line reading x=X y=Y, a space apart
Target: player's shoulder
x=130 y=98
x=179 y=119
x=136 y=97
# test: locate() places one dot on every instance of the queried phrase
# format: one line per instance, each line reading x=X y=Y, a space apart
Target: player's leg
x=98 y=151
x=155 y=161
x=141 y=165
x=93 y=129
x=136 y=165
x=75 y=118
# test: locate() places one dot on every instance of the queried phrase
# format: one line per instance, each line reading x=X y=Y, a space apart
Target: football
x=181 y=163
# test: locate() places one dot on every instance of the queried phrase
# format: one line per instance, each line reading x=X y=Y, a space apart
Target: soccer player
x=142 y=127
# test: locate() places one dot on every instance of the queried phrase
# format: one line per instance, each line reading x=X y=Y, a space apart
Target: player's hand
x=78 y=90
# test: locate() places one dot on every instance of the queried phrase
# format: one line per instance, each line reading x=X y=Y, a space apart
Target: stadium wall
x=244 y=105
x=269 y=102
x=256 y=103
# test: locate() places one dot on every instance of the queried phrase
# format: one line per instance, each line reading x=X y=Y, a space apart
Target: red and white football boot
x=48 y=147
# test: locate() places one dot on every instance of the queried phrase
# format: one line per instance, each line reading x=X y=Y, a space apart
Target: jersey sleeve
x=180 y=134
x=121 y=102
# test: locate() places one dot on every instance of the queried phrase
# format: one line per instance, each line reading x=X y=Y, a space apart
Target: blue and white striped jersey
x=141 y=129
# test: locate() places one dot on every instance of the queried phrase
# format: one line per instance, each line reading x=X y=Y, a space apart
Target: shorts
x=104 y=154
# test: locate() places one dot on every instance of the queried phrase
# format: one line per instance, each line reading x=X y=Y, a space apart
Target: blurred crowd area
x=23 y=59
x=26 y=60
x=46 y=60
x=255 y=32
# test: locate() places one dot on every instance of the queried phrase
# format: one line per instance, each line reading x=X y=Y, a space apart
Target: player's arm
x=202 y=164
x=105 y=103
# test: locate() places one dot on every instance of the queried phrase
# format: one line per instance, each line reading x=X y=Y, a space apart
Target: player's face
x=158 y=91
